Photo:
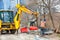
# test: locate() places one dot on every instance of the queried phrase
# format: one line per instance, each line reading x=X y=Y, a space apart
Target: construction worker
x=43 y=26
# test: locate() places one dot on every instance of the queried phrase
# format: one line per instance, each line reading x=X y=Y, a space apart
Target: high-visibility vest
x=43 y=24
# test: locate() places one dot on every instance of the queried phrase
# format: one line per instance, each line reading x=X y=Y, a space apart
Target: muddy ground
x=24 y=36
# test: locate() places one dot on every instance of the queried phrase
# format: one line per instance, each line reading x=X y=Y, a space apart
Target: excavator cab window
x=6 y=16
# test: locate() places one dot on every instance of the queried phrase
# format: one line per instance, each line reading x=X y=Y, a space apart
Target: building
x=6 y=4
x=1 y=4
x=13 y=3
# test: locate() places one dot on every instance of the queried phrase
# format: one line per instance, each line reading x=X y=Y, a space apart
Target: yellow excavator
x=10 y=22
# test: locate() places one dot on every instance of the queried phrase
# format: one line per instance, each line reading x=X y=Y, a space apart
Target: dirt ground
x=24 y=36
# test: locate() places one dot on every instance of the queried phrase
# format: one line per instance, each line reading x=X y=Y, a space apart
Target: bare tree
x=47 y=5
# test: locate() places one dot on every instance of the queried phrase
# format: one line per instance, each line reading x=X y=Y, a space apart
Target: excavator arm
x=26 y=10
x=19 y=12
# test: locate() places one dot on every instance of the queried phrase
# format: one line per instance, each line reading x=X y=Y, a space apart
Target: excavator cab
x=7 y=21
x=6 y=16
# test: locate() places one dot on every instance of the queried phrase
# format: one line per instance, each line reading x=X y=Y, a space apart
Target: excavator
x=10 y=22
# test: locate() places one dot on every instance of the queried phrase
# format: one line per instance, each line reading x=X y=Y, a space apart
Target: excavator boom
x=19 y=12
x=26 y=10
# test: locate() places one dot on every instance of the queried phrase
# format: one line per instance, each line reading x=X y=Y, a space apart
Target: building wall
x=13 y=4
x=10 y=4
x=1 y=4
x=6 y=4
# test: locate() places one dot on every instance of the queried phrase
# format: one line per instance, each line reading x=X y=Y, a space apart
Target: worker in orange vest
x=43 y=26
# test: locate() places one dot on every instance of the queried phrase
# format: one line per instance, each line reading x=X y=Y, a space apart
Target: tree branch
x=45 y=3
